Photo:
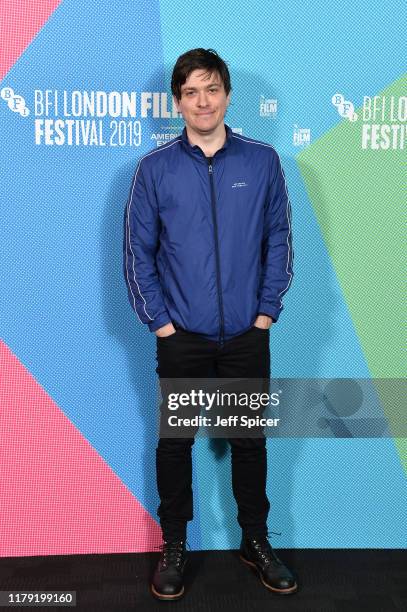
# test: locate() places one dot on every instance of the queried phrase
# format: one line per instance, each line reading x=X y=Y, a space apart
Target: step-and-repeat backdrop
x=85 y=91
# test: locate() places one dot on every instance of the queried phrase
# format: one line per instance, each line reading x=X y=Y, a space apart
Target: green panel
x=359 y=198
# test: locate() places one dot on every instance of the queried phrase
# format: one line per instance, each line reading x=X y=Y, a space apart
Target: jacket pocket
x=163 y=278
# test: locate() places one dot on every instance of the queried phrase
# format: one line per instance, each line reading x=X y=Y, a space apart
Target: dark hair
x=195 y=59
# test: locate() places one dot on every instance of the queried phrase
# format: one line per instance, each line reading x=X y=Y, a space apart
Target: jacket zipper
x=218 y=277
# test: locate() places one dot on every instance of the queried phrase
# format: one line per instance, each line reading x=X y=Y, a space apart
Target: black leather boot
x=257 y=553
x=167 y=583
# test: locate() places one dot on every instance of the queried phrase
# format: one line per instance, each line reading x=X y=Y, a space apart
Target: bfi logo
x=344 y=107
x=15 y=102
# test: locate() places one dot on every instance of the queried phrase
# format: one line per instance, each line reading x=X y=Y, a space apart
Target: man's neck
x=209 y=143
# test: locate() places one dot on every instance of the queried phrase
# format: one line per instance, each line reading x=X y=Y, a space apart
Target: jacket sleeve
x=140 y=245
x=277 y=251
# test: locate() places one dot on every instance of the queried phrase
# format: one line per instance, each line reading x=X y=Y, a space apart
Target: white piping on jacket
x=166 y=146
x=288 y=211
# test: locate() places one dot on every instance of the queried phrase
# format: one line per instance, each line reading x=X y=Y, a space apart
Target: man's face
x=203 y=101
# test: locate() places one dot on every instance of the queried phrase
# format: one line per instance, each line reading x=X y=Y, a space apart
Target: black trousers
x=188 y=355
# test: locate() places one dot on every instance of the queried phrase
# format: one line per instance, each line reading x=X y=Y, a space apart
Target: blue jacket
x=207 y=241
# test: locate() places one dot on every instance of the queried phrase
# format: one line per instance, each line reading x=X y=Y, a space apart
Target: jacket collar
x=197 y=152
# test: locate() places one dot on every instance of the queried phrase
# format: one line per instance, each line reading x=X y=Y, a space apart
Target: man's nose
x=202 y=98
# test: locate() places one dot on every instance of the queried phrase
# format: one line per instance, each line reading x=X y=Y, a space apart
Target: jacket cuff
x=266 y=308
x=162 y=319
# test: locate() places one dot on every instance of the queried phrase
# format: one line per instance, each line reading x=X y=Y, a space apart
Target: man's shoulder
x=149 y=159
x=255 y=145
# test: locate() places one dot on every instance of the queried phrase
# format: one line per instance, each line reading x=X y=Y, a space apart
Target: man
x=207 y=260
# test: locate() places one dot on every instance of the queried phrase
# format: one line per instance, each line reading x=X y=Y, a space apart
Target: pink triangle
x=58 y=496
x=21 y=20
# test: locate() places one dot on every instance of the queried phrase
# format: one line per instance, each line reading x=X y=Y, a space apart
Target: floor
x=330 y=580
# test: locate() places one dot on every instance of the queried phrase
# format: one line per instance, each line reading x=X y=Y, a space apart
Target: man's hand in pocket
x=167 y=330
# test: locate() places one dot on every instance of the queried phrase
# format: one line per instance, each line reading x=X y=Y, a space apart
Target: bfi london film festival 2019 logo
x=301 y=136
x=384 y=120
x=268 y=108
x=92 y=118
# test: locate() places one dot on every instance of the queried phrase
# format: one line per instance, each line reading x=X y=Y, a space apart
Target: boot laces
x=171 y=553
x=264 y=549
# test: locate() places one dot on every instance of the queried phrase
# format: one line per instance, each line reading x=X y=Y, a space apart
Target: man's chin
x=206 y=128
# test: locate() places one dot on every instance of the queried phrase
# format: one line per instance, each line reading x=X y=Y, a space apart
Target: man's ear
x=176 y=104
x=228 y=98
